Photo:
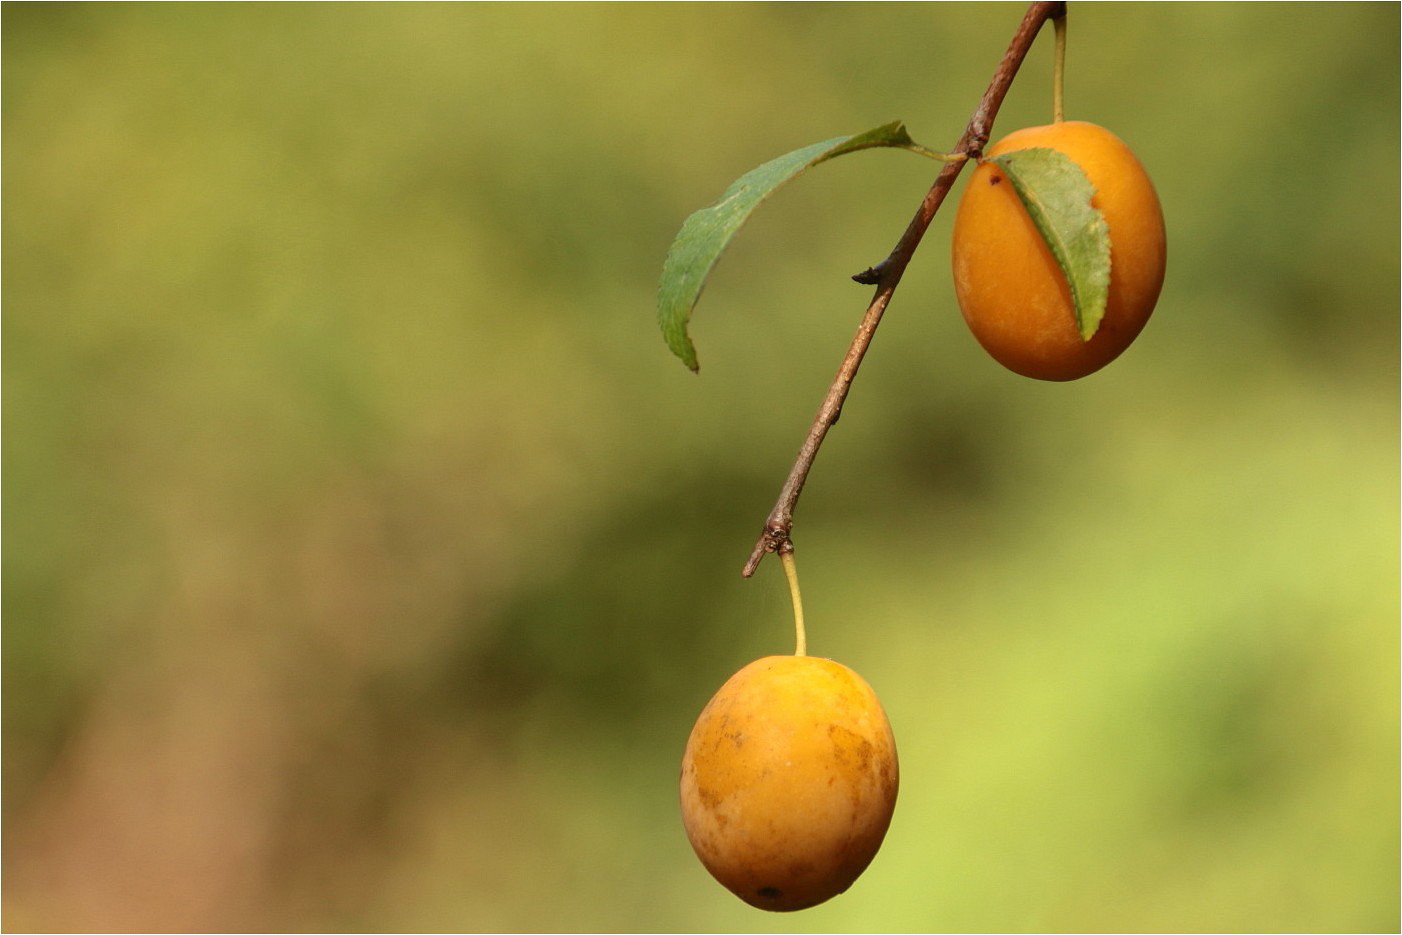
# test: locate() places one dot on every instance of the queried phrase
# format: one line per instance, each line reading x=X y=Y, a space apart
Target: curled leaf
x=705 y=234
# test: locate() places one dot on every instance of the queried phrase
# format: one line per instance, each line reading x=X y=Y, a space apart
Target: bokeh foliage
x=367 y=555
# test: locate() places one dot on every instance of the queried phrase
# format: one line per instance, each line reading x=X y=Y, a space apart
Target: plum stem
x=791 y=573
x=886 y=275
x=1059 y=68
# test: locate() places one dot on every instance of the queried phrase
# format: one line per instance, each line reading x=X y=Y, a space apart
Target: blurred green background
x=368 y=558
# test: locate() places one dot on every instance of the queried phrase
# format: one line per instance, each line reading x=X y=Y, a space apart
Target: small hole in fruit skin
x=769 y=892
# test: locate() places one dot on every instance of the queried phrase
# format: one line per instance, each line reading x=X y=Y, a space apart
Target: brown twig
x=886 y=275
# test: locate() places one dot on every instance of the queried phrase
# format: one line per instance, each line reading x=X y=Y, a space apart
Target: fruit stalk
x=791 y=573
x=886 y=275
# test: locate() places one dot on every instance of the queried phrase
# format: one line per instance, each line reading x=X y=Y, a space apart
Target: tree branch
x=886 y=275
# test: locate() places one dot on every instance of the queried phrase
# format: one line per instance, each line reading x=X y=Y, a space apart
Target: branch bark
x=886 y=275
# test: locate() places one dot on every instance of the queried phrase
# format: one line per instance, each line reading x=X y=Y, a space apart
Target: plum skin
x=789 y=781
x=1010 y=289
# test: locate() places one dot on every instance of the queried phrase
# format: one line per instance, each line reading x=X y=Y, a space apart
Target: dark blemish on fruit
x=994 y=179
x=709 y=797
x=769 y=892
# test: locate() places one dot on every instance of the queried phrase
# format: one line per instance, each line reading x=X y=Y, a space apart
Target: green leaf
x=1058 y=196
x=704 y=235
